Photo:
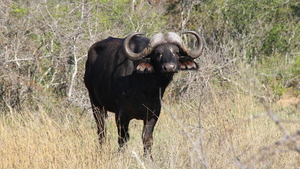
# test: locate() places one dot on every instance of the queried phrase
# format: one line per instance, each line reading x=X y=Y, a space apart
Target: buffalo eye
x=176 y=53
x=159 y=55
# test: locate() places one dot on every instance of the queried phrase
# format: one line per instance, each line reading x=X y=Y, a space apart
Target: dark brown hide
x=129 y=76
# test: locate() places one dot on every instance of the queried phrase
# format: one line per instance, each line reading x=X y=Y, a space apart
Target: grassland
x=223 y=134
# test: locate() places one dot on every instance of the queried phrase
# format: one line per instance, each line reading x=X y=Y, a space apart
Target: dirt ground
x=290 y=98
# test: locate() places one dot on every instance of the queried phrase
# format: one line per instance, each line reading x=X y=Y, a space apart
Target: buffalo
x=129 y=76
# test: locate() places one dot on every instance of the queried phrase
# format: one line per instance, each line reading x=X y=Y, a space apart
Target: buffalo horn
x=196 y=52
x=155 y=40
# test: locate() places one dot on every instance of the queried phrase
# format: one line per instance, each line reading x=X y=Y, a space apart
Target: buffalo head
x=164 y=53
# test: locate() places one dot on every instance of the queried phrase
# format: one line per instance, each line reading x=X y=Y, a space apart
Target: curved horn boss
x=156 y=39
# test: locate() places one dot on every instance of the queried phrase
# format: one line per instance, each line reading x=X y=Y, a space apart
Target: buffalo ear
x=144 y=66
x=187 y=63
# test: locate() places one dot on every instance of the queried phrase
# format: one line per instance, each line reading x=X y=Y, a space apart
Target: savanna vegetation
x=241 y=109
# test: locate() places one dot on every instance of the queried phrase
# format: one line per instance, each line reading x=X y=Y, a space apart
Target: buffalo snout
x=169 y=68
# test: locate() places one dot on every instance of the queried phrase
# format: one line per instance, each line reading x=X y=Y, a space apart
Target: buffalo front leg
x=122 y=124
x=100 y=115
x=147 y=135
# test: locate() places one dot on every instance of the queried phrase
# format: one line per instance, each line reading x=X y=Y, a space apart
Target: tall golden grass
x=228 y=132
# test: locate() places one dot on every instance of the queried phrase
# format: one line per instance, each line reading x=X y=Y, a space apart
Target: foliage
x=260 y=29
x=44 y=43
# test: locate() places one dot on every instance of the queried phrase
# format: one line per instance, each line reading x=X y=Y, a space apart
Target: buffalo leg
x=147 y=135
x=122 y=124
x=99 y=115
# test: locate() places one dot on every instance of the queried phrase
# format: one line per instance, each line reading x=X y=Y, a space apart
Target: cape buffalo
x=129 y=76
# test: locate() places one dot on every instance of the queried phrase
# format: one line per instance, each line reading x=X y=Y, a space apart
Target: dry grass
x=227 y=133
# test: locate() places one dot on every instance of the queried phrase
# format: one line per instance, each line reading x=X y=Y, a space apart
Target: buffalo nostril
x=169 y=67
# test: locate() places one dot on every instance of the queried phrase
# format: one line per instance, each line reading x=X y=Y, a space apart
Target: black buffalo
x=129 y=76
